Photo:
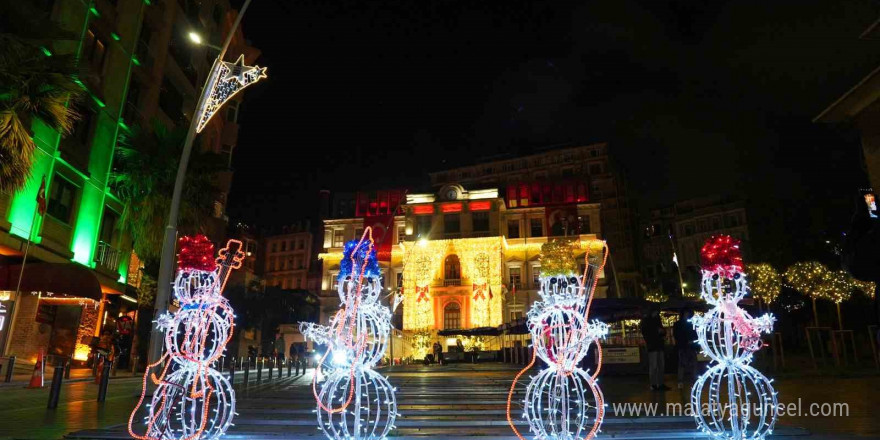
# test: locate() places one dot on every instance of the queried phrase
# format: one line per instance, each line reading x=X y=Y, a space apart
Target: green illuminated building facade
x=137 y=67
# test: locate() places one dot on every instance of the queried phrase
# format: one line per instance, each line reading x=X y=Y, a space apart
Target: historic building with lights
x=81 y=274
x=467 y=256
x=682 y=228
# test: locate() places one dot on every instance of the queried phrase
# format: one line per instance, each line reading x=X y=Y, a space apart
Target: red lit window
x=451 y=207
x=423 y=209
x=483 y=205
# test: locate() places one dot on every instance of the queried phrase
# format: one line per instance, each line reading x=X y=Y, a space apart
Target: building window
x=423 y=226
x=731 y=221
x=300 y=244
x=595 y=168
x=584 y=224
x=481 y=221
x=94 y=51
x=108 y=227
x=338 y=238
x=536 y=277
x=232 y=111
x=515 y=276
x=283 y=245
x=536 y=226
x=401 y=233
x=513 y=229
x=299 y=283
x=61 y=199
x=452 y=316
x=689 y=229
x=358 y=233
x=399 y=279
x=171 y=101
x=452 y=268
x=452 y=223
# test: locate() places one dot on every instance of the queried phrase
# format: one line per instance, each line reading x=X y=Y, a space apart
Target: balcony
x=107 y=257
x=451 y=282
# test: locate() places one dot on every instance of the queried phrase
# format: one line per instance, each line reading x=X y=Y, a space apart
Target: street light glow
x=195 y=38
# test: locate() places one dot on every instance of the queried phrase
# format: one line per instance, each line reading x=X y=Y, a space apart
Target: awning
x=68 y=279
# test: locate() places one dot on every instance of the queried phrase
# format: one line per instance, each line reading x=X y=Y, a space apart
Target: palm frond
x=144 y=176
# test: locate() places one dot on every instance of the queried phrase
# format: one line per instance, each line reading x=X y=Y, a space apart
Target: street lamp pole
x=166 y=264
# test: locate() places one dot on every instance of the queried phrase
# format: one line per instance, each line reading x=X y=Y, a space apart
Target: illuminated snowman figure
x=355 y=402
x=563 y=401
x=731 y=400
x=192 y=399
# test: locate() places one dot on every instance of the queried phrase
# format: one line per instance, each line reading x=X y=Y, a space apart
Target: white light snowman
x=563 y=401
x=731 y=400
x=192 y=399
x=355 y=402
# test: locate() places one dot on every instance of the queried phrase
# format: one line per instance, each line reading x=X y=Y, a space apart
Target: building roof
x=863 y=94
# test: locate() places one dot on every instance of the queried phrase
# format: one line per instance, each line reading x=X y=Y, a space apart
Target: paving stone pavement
x=449 y=402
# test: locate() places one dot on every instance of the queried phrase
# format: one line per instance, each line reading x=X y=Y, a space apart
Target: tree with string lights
x=765 y=282
x=808 y=278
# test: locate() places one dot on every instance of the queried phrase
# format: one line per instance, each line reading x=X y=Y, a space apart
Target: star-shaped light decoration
x=227 y=79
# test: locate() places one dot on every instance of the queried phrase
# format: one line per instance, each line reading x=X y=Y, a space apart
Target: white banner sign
x=621 y=355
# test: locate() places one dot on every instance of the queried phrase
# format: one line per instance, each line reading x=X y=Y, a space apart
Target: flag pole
x=13 y=309
x=677 y=266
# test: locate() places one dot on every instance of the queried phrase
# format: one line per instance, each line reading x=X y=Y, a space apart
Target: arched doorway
x=452 y=316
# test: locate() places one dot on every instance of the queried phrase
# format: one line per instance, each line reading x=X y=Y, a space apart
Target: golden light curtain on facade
x=480 y=283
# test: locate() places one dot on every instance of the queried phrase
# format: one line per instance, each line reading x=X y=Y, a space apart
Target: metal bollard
x=289 y=362
x=232 y=372
x=10 y=366
x=55 y=389
x=247 y=371
x=259 y=371
x=271 y=367
x=134 y=363
x=105 y=380
x=67 y=366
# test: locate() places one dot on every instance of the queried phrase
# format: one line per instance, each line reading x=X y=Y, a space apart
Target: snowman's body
x=354 y=401
x=731 y=400
x=563 y=401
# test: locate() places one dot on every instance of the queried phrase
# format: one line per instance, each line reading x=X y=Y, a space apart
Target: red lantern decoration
x=721 y=255
x=196 y=253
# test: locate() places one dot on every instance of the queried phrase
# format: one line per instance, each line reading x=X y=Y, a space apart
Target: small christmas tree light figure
x=731 y=400
x=563 y=401
x=192 y=400
x=355 y=402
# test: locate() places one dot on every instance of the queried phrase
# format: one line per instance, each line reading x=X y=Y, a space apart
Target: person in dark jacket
x=686 y=346
x=653 y=332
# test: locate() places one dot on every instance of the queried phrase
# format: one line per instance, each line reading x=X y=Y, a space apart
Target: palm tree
x=143 y=177
x=34 y=85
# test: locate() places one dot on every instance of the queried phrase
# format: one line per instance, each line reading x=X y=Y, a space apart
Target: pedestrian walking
x=653 y=332
x=278 y=348
x=686 y=346
x=438 y=353
x=293 y=357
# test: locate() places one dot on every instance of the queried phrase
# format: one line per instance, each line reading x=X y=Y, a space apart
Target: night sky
x=694 y=98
